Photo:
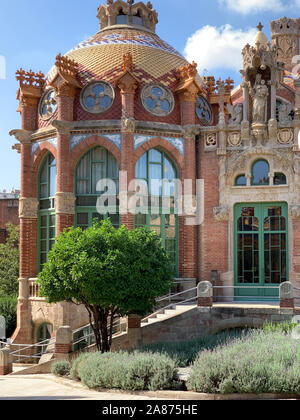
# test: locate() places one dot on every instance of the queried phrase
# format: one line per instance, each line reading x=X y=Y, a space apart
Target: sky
x=33 y=32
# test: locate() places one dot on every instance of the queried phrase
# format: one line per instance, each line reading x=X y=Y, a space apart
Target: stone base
x=134 y=321
x=5 y=370
x=287 y=303
x=205 y=302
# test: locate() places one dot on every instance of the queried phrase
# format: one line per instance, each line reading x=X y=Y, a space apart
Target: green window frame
x=96 y=164
x=46 y=214
x=156 y=162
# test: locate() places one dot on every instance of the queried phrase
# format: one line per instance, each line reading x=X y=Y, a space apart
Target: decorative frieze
x=65 y=203
x=128 y=125
x=62 y=127
x=221 y=214
x=176 y=142
x=76 y=139
x=28 y=208
x=211 y=140
x=285 y=136
x=234 y=139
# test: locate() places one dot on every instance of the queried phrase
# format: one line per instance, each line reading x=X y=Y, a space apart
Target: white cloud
x=247 y=6
x=218 y=48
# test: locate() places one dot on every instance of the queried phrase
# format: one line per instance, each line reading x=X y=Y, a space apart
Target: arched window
x=44 y=333
x=122 y=19
x=280 y=179
x=97 y=164
x=158 y=170
x=46 y=216
x=137 y=19
x=240 y=181
x=260 y=173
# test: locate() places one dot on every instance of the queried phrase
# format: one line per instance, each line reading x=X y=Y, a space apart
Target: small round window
x=157 y=100
x=204 y=111
x=48 y=104
x=97 y=97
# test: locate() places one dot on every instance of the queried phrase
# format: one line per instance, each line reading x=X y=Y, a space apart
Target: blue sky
x=33 y=32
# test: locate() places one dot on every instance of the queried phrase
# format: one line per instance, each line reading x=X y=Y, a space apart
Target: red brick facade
x=202 y=249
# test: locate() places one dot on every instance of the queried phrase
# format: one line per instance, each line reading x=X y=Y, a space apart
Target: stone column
x=286 y=294
x=65 y=198
x=205 y=294
x=127 y=84
x=28 y=211
x=5 y=361
x=187 y=99
x=63 y=342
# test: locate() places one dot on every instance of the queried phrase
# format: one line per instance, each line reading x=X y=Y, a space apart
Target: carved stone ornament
x=65 y=203
x=157 y=99
x=28 y=208
x=62 y=127
x=236 y=114
x=285 y=113
x=295 y=211
x=221 y=214
x=97 y=97
x=285 y=136
x=23 y=136
x=259 y=94
x=48 y=105
x=234 y=139
x=211 y=140
x=128 y=125
x=191 y=130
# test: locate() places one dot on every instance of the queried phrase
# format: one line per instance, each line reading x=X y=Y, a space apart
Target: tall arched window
x=260 y=173
x=46 y=216
x=97 y=164
x=157 y=169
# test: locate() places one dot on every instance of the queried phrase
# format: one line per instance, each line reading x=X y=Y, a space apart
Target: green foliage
x=76 y=364
x=285 y=327
x=8 y=309
x=184 y=353
x=260 y=362
x=134 y=371
x=107 y=267
x=60 y=368
x=111 y=271
x=9 y=263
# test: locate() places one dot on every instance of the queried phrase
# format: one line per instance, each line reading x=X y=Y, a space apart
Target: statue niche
x=259 y=94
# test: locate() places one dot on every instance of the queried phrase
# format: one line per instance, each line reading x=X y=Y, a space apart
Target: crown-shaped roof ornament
x=127 y=13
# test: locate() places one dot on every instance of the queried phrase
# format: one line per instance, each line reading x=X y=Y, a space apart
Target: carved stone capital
x=17 y=147
x=23 y=136
x=127 y=83
x=191 y=130
x=221 y=214
x=295 y=211
x=65 y=203
x=28 y=208
x=128 y=125
x=62 y=127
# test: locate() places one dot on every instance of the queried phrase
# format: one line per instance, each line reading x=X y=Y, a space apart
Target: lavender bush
x=260 y=362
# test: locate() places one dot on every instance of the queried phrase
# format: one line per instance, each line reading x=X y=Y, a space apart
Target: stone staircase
x=168 y=313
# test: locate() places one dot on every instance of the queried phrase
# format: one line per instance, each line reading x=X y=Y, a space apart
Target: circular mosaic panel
x=204 y=111
x=157 y=100
x=97 y=97
x=48 y=104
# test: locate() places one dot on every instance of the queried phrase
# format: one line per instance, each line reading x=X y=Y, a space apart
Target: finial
x=149 y=5
x=130 y=2
x=109 y=2
x=260 y=26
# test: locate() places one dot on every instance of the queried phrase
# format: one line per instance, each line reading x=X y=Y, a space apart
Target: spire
x=260 y=36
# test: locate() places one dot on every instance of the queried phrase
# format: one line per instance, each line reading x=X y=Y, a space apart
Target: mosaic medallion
x=204 y=111
x=48 y=104
x=97 y=97
x=157 y=100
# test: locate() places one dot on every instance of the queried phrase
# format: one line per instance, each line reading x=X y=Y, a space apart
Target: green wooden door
x=261 y=250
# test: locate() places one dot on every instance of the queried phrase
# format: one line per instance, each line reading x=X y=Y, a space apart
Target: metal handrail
x=175 y=294
x=166 y=307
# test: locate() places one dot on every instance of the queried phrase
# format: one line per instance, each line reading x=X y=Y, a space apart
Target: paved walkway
x=48 y=387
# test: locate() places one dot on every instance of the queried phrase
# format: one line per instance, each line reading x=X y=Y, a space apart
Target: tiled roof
x=101 y=56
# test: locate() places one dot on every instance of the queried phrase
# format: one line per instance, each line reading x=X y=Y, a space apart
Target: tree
x=112 y=272
x=9 y=263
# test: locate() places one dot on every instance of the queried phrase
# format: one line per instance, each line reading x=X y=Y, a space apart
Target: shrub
x=8 y=309
x=257 y=363
x=76 y=364
x=285 y=327
x=134 y=371
x=184 y=353
x=60 y=368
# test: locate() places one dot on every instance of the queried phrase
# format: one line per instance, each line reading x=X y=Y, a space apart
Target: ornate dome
x=101 y=56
